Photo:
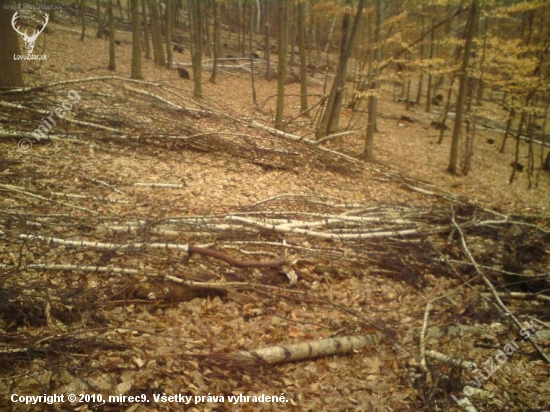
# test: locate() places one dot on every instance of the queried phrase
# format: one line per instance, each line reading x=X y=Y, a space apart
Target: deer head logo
x=29 y=40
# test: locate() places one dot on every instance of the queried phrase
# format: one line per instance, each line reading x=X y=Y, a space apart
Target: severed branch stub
x=281 y=261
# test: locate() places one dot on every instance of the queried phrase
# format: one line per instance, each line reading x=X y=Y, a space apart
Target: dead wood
x=494 y=293
x=521 y=296
x=460 y=363
x=307 y=350
x=30 y=89
x=115 y=240
x=281 y=261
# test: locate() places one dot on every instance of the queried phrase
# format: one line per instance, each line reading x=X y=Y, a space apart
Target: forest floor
x=140 y=332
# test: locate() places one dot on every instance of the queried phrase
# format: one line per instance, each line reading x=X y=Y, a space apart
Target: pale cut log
x=308 y=350
x=461 y=363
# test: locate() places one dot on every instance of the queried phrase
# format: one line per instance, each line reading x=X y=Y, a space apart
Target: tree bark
x=431 y=56
x=157 y=36
x=217 y=40
x=83 y=20
x=330 y=120
x=136 y=41
x=169 y=22
x=145 y=29
x=252 y=76
x=281 y=68
x=368 y=151
x=99 y=33
x=196 y=35
x=302 y=50
x=462 y=88
x=112 y=62
x=267 y=45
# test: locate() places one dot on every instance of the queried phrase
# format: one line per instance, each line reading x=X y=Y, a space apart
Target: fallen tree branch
x=190 y=249
x=83 y=268
x=106 y=246
x=520 y=295
x=67 y=119
x=460 y=363
x=74 y=81
x=495 y=294
x=307 y=350
x=281 y=261
x=295 y=138
x=423 y=339
x=309 y=109
x=335 y=136
x=283 y=228
x=161 y=185
x=22 y=191
x=196 y=113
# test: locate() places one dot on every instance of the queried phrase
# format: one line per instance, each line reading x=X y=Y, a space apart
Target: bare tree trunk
x=258 y=16
x=544 y=161
x=530 y=153
x=157 y=36
x=516 y=153
x=206 y=31
x=252 y=79
x=329 y=38
x=421 y=57
x=282 y=57
x=136 y=41
x=267 y=44
x=430 y=81
x=120 y=9
x=420 y=88
x=145 y=29
x=472 y=23
x=112 y=64
x=368 y=151
x=82 y=16
x=293 y=41
x=365 y=75
x=331 y=116
x=99 y=33
x=197 y=36
x=310 y=36
x=238 y=23
x=169 y=22
x=408 y=93
x=303 y=63
x=446 y=112
x=511 y=116
x=470 y=131
x=471 y=120
x=217 y=40
x=336 y=107
x=244 y=26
